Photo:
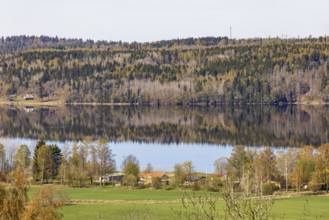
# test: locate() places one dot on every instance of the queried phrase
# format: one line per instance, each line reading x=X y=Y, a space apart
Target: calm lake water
x=165 y=136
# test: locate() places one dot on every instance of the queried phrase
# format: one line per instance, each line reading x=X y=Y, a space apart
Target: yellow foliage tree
x=321 y=170
x=43 y=206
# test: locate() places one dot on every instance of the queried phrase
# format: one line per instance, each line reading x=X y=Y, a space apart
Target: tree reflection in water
x=252 y=125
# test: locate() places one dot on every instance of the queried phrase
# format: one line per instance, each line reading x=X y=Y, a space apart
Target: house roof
x=151 y=175
x=194 y=178
x=116 y=174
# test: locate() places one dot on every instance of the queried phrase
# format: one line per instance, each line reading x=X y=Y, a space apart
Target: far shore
x=32 y=103
x=62 y=103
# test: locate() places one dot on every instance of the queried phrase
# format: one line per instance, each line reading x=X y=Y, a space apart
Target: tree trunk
x=286 y=183
x=64 y=174
x=43 y=165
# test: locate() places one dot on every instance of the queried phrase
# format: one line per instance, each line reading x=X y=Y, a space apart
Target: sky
x=153 y=20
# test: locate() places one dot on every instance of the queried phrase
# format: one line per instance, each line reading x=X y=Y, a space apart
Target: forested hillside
x=191 y=71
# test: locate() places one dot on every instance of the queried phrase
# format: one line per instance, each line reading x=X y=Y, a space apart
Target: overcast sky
x=152 y=20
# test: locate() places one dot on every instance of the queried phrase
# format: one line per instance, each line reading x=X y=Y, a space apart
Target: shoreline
x=32 y=103
x=61 y=104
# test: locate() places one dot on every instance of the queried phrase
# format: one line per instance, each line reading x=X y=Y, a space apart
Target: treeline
x=203 y=71
x=251 y=171
x=49 y=163
x=246 y=176
x=265 y=170
x=82 y=163
x=260 y=172
x=17 y=43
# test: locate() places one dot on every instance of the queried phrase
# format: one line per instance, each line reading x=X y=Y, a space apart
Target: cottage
x=191 y=180
x=116 y=177
x=147 y=177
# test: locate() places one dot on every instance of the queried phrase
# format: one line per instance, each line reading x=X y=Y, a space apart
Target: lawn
x=122 y=194
x=129 y=203
x=118 y=211
x=106 y=193
x=306 y=207
x=310 y=207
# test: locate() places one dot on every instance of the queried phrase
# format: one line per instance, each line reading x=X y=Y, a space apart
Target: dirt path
x=275 y=197
x=124 y=201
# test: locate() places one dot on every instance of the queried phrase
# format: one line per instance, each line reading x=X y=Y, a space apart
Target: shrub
x=156 y=183
x=269 y=188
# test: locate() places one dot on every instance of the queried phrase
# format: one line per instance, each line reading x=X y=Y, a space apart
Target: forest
x=193 y=71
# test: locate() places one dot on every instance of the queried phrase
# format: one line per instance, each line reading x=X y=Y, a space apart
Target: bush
x=156 y=183
x=215 y=184
x=169 y=186
x=141 y=186
x=269 y=188
x=195 y=186
x=130 y=180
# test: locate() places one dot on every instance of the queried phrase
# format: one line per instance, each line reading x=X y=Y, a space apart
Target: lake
x=164 y=136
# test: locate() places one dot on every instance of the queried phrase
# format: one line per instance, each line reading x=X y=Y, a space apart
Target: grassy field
x=109 y=203
x=106 y=193
x=310 y=207
x=119 y=211
x=305 y=207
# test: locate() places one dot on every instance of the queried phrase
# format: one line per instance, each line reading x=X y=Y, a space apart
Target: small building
x=191 y=180
x=114 y=177
x=146 y=178
x=165 y=179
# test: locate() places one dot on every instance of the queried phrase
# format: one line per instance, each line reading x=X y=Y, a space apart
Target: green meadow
x=106 y=193
x=309 y=207
x=112 y=203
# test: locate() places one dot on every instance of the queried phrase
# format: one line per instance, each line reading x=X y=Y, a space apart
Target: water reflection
x=252 y=126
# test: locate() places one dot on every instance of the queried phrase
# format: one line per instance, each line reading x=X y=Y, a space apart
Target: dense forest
x=192 y=71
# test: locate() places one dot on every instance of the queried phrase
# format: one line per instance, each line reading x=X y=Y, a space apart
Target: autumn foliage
x=15 y=204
